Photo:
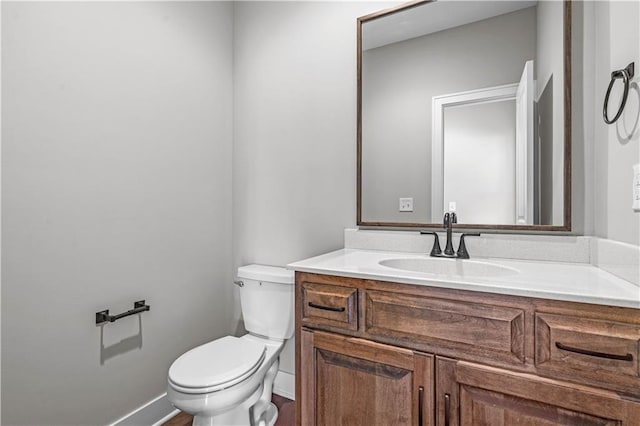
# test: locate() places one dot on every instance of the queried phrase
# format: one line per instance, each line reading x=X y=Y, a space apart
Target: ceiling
x=432 y=17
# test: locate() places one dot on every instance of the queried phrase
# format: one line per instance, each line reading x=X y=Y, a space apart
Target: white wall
x=399 y=81
x=614 y=28
x=116 y=168
x=294 y=130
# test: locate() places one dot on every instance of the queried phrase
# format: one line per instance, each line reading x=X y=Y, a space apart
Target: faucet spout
x=449 y=220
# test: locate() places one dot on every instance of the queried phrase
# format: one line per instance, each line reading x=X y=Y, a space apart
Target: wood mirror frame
x=565 y=227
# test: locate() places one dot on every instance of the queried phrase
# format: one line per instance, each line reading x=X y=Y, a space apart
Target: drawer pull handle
x=627 y=357
x=326 y=308
x=447 y=408
x=420 y=403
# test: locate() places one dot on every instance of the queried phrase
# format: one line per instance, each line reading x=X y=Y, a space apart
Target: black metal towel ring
x=626 y=75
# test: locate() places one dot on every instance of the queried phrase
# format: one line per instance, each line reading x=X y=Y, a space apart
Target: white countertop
x=573 y=282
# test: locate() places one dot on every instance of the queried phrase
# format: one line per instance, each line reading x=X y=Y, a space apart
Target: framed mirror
x=465 y=106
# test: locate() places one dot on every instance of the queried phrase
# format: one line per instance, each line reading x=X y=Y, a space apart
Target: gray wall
x=612 y=40
x=294 y=130
x=116 y=169
x=549 y=65
x=398 y=85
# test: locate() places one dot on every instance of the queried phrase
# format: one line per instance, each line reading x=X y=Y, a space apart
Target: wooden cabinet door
x=469 y=394
x=350 y=381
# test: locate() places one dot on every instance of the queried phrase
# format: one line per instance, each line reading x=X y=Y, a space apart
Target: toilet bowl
x=229 y=381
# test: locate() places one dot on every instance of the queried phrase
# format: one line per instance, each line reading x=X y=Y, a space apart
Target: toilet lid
x=217 y=364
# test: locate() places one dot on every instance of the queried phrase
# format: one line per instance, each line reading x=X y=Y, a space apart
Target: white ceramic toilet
x=229 y=381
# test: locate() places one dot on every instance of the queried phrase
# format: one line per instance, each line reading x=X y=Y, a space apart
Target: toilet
x=229 y=381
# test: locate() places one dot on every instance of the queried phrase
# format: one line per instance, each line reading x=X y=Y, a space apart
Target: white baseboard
x=166 y=418
x=155 y=413
x=285 y=385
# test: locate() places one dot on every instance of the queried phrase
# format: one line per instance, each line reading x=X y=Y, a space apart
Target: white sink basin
x=450 y=267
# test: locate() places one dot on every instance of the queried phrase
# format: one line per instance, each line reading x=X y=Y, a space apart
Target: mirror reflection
x=462 y=108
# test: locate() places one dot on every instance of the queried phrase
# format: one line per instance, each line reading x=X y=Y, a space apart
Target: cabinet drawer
x=603 y=351
x=330 y=305
x=494 y=396
x=483 y=330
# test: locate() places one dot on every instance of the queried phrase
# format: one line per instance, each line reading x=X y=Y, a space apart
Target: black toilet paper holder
x=138 y=307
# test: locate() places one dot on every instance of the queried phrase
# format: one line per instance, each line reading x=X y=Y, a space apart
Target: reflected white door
x=473 y=155
x=524 y=147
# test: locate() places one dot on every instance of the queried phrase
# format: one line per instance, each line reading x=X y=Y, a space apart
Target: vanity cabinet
x=351 y=381
x=471 y=394
x=371 y=352
x=481 y=329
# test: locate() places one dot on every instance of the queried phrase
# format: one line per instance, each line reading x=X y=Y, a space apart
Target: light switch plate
x=636 y=188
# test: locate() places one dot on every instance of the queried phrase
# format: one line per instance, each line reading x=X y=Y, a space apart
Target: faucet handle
x=454 y=217
x=435 y=250
x=462 y=248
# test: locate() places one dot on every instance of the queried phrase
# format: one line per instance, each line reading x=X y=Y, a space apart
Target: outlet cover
x=406 y=205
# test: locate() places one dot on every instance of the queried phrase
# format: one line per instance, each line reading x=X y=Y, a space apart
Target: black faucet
x=448 y=220
x=436 y=251
x=462 y=248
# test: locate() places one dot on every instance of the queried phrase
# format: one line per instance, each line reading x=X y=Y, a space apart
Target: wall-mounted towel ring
x=626 y=75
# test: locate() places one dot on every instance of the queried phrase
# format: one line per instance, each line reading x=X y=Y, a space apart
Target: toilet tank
x=266 y=297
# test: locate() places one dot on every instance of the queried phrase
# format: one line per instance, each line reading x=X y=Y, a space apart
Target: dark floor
x=286 y=413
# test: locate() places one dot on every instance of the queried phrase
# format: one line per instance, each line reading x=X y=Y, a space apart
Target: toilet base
x=243 y=404
x=238 y=417
x=271 y=415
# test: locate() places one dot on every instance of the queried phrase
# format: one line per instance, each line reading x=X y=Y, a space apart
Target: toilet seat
x=216 y=365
